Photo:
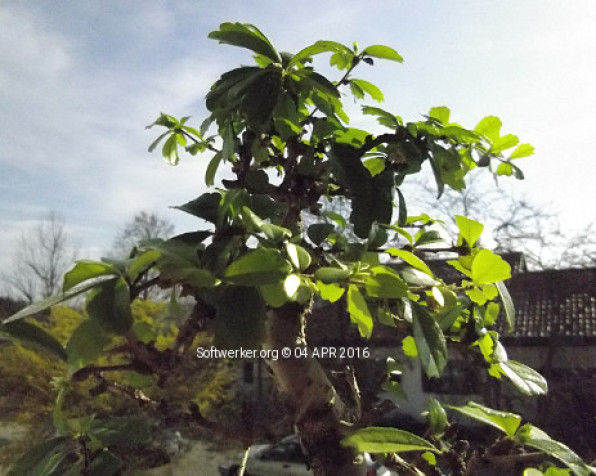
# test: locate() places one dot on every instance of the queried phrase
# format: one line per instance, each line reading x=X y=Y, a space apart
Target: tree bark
x=321 y=416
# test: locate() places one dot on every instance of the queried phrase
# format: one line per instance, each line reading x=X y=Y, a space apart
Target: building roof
x=554 y=304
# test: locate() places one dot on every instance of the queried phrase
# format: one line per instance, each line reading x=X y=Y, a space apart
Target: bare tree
x=143 y=226
x=42 y=255
x=515 y=223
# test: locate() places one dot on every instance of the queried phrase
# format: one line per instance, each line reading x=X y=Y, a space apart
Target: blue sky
x=80 y=80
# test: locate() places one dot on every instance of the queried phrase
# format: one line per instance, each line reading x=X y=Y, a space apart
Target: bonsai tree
x=279 y=134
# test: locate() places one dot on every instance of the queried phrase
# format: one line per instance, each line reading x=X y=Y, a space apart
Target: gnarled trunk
x=321 y=416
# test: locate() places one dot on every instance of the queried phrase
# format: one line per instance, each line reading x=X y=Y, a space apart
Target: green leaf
x=383 y=117
x=386 y=283
x=430 y=341
x=369 y=88
x=322 y=46
x=179 y=262
x=525 y=379
x=441 y=114
x=507 y=422
x=402 y=217
x=260 y=98
x=299 y=257
x=522 y=150
x=408 y=345
x=142 y=263
x=240 y=318
x=328 y=274
x=245 y=36
x=109 y=305
x=170 y=150
x=503 y=143
x=278 y=294
x=272 y=232
x=122 y=431
x=460 y=267
x=383 y=52
x=417 y=278
x=336 y=217
x=488 y=267
x=437 y=418
x=205 y=206
x=320 y=83
x=43 y=459
x=411 y=259
x=386 y=440
x=469 y=230
x=33 y=335
x=359 y=312
x=505 y=168
x=46 y=303
x=319 y=232
x=212 y=169
x=490 y=127
x=85 y=344
x=329 y=292
x=156 y=142
x=508 y=305
x=258 y=267
x=440 y=181
x=427 y=238
x=534 y=437
x=375 y=165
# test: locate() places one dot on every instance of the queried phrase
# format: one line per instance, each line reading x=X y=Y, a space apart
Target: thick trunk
x=321 y=416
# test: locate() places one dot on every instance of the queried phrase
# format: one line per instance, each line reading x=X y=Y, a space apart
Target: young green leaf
x=44 y=458
x=359 y=312
x=328 y=274
x=469 y=230
x=245 y=36
x=508 y=305
x=490 y=127
x=85 y=344
x=437 y=418
x=299 y=257
x=503 y=143
x=402 y=216
x=408 y=345
x=534 y=437
x=411 y=259
x=385 y=283
x=507 y=422
x=383 y=52
x=322 y=46
x=109 y=305
x=441 y=114
x=30 y=334
x=369 y=88
x=44 y=304
x=522 y=150
x=525 y=379
x=319 y=232
x=430 y=341
x=488 y=267
x=258 y=267
x=329 y=292
x=386 y=440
